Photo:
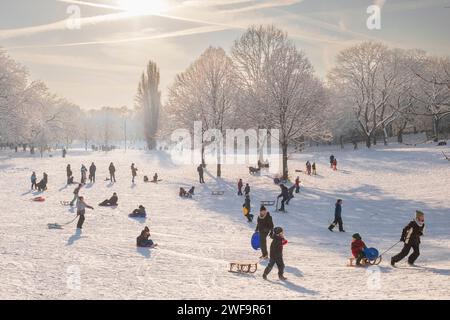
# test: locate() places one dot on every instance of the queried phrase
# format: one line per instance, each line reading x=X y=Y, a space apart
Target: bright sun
x=143 y=6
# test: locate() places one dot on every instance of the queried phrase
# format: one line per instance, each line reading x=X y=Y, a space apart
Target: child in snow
x=297 y=185
x=240 y=185
x=284 y=195
x=358 y=247
x=133 y=172
x=337 y=217
x=138 y=213
x=276 y=254
x=83 y=174
x=81 y=210
x=308 y=168
x=314 y=169
x=246 y=207
x=265 y=227
x=411 y=237
x=33 y=181
x=331 y=161
x=334 y=164
x=155 y=178
x=111 y=202
x=247 y=189
x=143 y=240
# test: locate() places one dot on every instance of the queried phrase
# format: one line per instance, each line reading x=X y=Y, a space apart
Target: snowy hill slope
x=381 y=189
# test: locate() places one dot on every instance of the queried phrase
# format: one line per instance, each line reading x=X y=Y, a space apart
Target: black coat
x=92 y=169
x=265 y=224
x=276 y=248
x=112 y=169
x=247 y=189
x=338 y=211
x=113 y=200
x=284 y=193
x=412 y=232
x=142 y=238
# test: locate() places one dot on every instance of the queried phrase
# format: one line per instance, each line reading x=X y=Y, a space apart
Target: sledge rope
x=65 y=224
x=390 y=248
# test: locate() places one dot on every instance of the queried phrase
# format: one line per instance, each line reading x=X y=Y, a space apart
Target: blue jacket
x=338 y=211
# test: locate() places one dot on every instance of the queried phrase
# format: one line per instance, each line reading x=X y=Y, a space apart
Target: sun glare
x=143 y=6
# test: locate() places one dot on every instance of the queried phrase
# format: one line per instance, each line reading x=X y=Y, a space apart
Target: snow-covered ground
x=381 y=189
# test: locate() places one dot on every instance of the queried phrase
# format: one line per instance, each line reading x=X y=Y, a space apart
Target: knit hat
x=356 y=236
x=419 y=214
x=278 y=230
x=263 y=208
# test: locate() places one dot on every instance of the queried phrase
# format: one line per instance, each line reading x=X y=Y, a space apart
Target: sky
x=93 y=52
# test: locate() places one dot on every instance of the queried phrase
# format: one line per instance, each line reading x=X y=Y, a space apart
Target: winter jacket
x=200 y=170
x=412 y=232
x=92 y=169
x=357 y=247
x=134 y=171
x=112 y=169
x=265 y=224
x=338 y=211
x=77 y=190
x=113 y=200
x=247 y=189
x=240 y=185
x=284 y=193
x=276 y=248
x=142 y=239
x=81 y=207
x=297 y=182
x=68 y=172
x=331 y=159
x=33 y=178
x=247 y=204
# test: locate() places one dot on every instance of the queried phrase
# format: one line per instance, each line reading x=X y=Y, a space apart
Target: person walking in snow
x=357 y=247
x=33 y=181
x=240 y=185
x=76 y=192
x=276 y=254
x=334 y=165
x=284 y=195
x=314 y=171
x=81 y=210
x=308 y=168
x=64 y=152
x=337 y=217
x=112 y=172
x=92 y=170
x=246 y=207
x=297 y=185
x=83 y=174
x=290 y=194
x=247 y=189
x=69 y=174
x=133 y=172
x=411 y=237
x=265 y=227
x=200 y=173
x=331 y=161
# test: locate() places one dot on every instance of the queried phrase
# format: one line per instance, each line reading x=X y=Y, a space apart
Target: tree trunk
x=436 y=129
x=375 y=139
x=341 y=141
x=400 y=136
x=368 y=141
x=385 y=136
x=285 y=161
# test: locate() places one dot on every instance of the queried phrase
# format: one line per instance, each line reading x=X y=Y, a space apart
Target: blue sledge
x=255 y=241
x=371 y=257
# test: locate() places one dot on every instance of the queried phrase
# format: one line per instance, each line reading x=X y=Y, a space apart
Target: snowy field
x=381 y=190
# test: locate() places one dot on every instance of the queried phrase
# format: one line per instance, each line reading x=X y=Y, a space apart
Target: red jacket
x=357 y=247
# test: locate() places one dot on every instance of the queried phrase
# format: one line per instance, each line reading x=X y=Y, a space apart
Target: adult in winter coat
x=75 y=194
x=276 y=254
x=337 y=217
x=200 y=174
x=83 y=174
x=143 y=240
x=411 y=237
x=247 y=189
x=69 y=174
x=265 y=227
x=92 y=170
x=247 y=208
x=133 y=172
x=297 y=185
x=358 y=247
x=111 y=202
x=81 y=210
x=33 y=181
x=240 y=185
x=284 y=195
x=112 y=172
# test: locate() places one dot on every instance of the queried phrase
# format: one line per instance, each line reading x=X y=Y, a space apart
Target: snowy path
x=381 y=190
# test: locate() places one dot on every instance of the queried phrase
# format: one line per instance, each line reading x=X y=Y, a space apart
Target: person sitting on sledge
x=111 y=202
x=155 y=177
x=358 y=247
x=143 y=240
x=276 y=254
x=246 y=207
x=138 y=213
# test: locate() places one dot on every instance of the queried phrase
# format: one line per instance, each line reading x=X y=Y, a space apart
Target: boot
x=282 y=278
x=392 y=262
x=265 y=276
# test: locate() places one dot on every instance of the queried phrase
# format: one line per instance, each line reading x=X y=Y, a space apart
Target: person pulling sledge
x=357 y=247
x=81 y=210
x=265 y=227
x=246 y=207
x=143 y=241
x=33 y=181
x=411 y=237
x=138 y=213
x=240 y=185
x=337 y=217
x=111 y=202
x=276 y=254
